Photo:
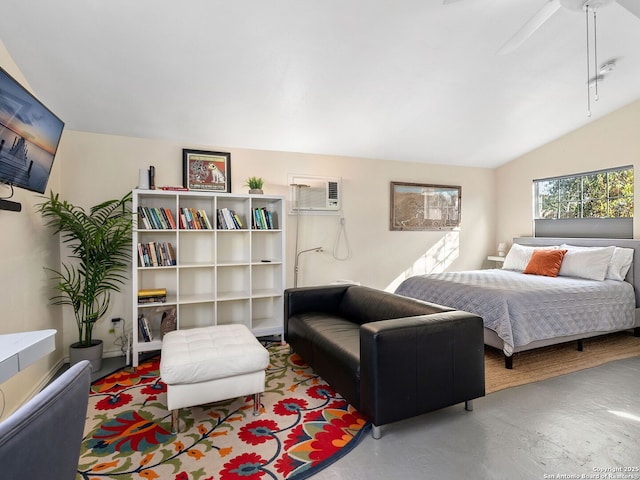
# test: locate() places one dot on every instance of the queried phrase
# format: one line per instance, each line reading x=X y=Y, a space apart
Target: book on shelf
x=151 y=291
x=144 y=328
x=152 y=252
x=174 y=188
x=152 y=295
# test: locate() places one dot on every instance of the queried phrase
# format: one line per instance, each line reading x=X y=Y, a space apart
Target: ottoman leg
x=175 y=420
x=256 y=404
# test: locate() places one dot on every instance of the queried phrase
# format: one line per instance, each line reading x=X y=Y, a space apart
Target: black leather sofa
x=391 y=357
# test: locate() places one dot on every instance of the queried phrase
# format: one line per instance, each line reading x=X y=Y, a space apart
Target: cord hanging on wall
x=297 y=187
x=9 y=205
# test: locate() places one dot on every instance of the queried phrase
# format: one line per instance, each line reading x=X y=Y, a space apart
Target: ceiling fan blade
x=632 y=5
x=531 y=26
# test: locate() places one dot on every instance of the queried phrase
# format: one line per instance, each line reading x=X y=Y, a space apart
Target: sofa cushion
x=363 y=305
x=326 y=341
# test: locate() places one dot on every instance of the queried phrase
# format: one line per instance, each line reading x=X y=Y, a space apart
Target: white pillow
x=519 y=255
x=619 y=264
x=591 y=263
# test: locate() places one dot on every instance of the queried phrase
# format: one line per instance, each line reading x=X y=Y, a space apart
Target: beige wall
x=611 y=141
x=25 y=249
x=97 y=167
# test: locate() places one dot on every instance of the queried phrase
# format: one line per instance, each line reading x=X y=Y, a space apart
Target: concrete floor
x=578 y=424
x=574 y=426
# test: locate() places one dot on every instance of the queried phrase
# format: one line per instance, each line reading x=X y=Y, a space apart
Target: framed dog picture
x=206 y=171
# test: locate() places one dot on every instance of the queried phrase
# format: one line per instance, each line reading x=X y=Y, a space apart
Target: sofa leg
x=256 y=404
x=175 y=421
x=376 y=432
x=468 y=405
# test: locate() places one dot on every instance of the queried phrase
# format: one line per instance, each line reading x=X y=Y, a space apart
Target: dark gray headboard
x=633 y=276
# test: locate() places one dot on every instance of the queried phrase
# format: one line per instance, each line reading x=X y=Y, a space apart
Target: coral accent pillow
x=545 y=262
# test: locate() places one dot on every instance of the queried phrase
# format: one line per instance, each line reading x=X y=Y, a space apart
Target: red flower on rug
x=258 y=432
x=113 y=401
x=247 y=466
x=289 y=406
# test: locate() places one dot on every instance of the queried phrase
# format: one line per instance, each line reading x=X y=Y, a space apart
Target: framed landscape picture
x=206 y=171
x=417 y=206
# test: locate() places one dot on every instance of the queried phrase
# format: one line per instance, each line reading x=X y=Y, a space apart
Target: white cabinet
x=229 y=273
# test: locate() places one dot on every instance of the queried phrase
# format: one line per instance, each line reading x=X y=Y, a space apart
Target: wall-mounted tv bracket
x=9 y=205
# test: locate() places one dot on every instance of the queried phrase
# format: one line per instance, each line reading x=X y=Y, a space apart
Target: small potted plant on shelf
x=100 y=243
x=255 y=184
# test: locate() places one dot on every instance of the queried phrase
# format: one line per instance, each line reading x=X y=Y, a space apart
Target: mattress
x=523 y=308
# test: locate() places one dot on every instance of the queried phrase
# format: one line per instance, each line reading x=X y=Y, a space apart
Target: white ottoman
x=204 y=365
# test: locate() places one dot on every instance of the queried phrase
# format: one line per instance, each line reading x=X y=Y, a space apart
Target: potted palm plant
x=255 y=184
x=100 y=244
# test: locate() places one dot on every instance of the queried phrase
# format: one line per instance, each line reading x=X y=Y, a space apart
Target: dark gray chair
x=42 y=438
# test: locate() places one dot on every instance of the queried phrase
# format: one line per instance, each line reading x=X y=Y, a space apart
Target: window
x=593 y=204
x=602 y=194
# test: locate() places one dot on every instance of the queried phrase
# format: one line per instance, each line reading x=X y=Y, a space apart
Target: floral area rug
x=304 y=426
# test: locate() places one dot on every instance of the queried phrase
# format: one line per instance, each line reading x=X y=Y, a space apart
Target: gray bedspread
x=523 y=308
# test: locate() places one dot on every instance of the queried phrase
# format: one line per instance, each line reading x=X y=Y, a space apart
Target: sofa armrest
x=413 y=365
x=325 y=298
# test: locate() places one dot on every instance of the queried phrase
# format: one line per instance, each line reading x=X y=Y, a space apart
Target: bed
x=522 y=311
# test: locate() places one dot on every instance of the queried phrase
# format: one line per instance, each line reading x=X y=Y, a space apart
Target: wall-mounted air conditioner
x=312 y=195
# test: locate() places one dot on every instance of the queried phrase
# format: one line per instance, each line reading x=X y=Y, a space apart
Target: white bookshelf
x=221 y=276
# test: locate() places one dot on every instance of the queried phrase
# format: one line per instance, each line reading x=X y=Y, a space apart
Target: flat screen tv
x=29 y=137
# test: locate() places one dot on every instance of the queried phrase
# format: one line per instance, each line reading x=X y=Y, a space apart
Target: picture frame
x=423 y=206
x=206 y=171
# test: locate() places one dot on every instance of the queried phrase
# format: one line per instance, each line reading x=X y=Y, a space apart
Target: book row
x=157 y=218
x=156 y=254
x=262 y=219
x=153 y=295
x=145 y=330
x=228 y=219
x=192 y=219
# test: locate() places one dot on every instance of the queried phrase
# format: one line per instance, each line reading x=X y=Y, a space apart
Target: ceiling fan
x=550 y=8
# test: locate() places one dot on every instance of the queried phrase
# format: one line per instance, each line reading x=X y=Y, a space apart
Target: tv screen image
x=29 y=137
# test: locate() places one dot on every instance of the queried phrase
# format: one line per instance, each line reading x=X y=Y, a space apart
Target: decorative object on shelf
x=255 y=185
x=143 y=179
x=168 y=322
x=502 y=249
x=417 y=206
x=208 y=171
x=100 y=244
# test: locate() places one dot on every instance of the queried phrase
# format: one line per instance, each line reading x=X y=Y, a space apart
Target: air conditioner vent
x=332 y=190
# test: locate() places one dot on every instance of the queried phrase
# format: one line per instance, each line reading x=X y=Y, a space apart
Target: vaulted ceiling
x=413 y=80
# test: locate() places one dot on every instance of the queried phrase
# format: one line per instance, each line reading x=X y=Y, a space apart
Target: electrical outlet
x=112 y=330
x=115 y=320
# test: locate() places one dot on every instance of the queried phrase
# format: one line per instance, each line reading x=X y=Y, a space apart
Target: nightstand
x=494 y=258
